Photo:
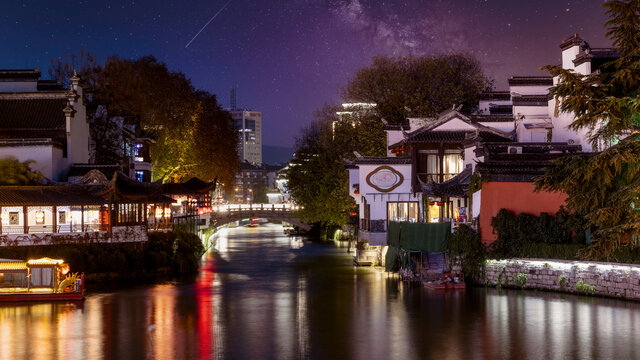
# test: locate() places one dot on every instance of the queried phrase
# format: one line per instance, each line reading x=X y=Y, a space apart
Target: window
x=140 y=175
x=453 y=165
x=429 y=166
x=403 y=211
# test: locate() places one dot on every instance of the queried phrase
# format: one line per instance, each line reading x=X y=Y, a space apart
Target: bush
x=524 y=234
x=466 y=250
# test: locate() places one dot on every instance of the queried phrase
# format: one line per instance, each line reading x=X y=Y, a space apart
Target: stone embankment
x=581 y=277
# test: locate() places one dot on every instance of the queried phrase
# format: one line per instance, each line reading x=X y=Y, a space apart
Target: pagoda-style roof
x=125 y=189
x=193 y=186
x=458 y=186
x=453 y=127
x=48 y=195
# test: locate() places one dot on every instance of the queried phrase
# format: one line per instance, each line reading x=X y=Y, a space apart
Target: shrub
x=581 y=286
x=466 y=250
x=521 y=280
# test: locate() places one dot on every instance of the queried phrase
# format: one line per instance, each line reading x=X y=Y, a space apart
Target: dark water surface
x=268 y=296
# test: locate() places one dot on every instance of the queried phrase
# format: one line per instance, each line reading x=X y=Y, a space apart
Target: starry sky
x=289 y=57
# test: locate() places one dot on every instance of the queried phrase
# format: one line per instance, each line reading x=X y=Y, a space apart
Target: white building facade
x=42 y=122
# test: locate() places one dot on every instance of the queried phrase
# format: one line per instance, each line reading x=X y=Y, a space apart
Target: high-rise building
x=249 y=124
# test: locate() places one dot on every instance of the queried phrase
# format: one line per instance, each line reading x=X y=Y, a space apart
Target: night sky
x=288 y=57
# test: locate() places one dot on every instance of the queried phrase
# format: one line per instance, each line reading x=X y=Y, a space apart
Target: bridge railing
x=254 y=207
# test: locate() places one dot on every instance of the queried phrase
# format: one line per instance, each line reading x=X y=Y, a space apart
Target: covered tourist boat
x=43 y=279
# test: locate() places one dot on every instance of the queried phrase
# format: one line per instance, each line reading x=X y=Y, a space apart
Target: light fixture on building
x=39 y=217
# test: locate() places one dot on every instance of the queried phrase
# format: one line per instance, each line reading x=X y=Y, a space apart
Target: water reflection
x=267 y=296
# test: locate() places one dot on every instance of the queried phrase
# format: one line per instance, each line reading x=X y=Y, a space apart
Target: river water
x=263 y=295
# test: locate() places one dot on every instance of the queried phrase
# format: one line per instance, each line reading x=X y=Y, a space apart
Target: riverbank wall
x=578 y=277
x=164 y=253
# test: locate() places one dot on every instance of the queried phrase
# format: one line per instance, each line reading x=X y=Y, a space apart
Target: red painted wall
x=517 y=197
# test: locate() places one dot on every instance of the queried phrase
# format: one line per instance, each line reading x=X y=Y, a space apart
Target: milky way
x=288 y=57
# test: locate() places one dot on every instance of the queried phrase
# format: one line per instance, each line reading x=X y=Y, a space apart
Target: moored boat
x=43 y=279
x=447 y=282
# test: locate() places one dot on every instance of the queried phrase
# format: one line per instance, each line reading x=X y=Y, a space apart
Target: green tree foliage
x=260 y=194
x=604 y=187
x=195 y=136
x=466 y=250
x=317 y=177
x=418 y=86
x=14 y=172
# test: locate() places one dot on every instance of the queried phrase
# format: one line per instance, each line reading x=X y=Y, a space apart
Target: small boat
x=447 y=282
x=43 y=279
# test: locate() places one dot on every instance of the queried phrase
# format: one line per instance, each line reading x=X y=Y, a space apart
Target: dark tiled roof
x=531 y=100
x=193 y=186
x=595 y=53
x=122 y=188
x=500 y=109
x=371 y=160
x=200 y=186
x=515 y=167
x=494 y=149
x=32 y=113
x=49 y=85
x=11 y=74
x=458 y=186
x=397 y=127
x=31 y=142
x=495 y=95
x=438 y=136
x=47 y=195
x=530 y=80
x=570 y=41
x=491 y=118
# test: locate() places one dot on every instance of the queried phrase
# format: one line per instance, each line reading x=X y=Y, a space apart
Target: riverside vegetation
x=167 y=253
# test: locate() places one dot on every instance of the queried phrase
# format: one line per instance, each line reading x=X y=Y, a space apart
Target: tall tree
x=316 y=177
x=418 y=86
x=195 y=136
x=604 y=187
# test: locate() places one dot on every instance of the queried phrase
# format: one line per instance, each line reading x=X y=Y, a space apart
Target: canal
x=264 y=295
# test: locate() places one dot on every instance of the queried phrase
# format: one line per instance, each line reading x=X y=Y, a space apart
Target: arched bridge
x=223 y=214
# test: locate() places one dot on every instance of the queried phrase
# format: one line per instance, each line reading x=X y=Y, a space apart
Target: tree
x=14 y=172
x=317 y=179
x=62 y=69
x=418 y=86
x=604 y=187
x=194 y=135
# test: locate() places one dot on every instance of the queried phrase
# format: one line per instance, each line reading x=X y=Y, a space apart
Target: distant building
x=252 y=178
x=41 y=121
x=249 y=124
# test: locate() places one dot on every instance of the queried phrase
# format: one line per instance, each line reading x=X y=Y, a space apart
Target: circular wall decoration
x=384 y=178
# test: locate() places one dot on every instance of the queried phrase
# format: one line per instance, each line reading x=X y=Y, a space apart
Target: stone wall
x=119 y=234
x=581 y=277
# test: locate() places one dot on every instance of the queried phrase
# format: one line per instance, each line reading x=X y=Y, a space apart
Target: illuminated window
x=403 y=211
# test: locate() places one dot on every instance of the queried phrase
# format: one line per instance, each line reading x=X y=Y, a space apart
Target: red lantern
x=431 y=203
x=357 y=192
x=440 y=203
